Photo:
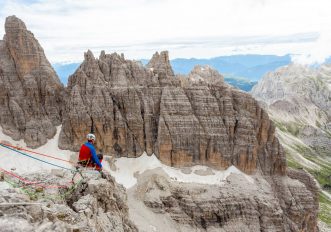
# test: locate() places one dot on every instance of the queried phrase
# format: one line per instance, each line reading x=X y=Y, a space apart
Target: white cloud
x=316 y=52
x=139 y=27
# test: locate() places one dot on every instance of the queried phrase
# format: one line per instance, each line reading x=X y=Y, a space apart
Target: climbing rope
x=22 y=153
x=37 y=153
x=28 y=182
x=16 y=149
x=41 y=196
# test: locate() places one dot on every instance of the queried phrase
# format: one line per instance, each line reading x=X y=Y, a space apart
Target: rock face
x=161 y=64
x=298 y=99
x=96 y=204
x=277 y=203
x=30 y=90
x=297 y=84
x=136 y=109
x=205 y=73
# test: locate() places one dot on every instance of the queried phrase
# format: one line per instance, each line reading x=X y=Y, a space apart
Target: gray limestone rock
x=30 y=91
x=298 y=99
x=160 y=63
x=205 y=73
x=96 y=204
x=277 y=203
x=135 y=109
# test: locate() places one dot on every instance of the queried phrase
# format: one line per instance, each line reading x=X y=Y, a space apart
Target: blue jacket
x=94 y=157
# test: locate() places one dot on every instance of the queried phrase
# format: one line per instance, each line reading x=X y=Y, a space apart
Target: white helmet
x=90 y=137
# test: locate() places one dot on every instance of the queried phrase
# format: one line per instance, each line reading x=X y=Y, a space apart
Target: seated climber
x=88 y=156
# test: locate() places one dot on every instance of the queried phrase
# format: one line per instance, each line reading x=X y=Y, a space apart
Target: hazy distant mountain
x=241 y=71
x=65 y=70
x=298 y=99
x=240 y=83
x=252 y=67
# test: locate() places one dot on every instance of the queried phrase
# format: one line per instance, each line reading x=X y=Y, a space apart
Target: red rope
x=31 y=182
x=37 y=153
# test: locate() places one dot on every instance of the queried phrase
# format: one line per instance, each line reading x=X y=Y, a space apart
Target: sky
x=186 y=28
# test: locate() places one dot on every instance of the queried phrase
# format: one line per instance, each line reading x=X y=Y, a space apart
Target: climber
x=88 y=156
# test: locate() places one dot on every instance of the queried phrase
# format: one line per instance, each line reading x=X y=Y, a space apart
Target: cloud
x=318 y=51
x=187 y=28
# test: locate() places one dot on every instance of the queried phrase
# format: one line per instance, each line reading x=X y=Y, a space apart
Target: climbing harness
x=28 y=182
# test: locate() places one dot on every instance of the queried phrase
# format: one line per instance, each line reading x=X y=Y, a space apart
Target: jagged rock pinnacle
x=31 y=92
x=160 y=63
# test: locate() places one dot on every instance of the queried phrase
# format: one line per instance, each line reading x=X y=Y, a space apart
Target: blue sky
x=187 y=28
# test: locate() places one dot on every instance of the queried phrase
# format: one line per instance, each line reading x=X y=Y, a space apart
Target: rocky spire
x=25 y=49
x=31 y=92
x=160 y=63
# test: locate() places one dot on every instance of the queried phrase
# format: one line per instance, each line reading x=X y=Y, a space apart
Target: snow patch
x=127 y=168
x=11 y=160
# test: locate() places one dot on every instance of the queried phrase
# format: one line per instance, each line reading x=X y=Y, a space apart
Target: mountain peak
x=88 y=55
x=13 y=22
x=32 y=87
x=25 y=49
x=160 y=62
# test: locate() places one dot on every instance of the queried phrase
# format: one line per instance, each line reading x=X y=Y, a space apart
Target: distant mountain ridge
x=241 y=71
x=252 y=67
